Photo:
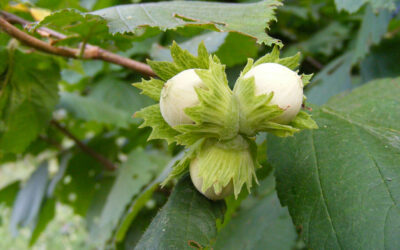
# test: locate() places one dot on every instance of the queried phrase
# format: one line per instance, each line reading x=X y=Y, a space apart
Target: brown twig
x=91 y=52
x=314 y=62
x=98 y=157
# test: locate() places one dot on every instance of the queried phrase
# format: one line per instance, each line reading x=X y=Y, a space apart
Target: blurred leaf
x=27 y=98
x=120 y=95
x=138 y=203
x=260 y=222
x=46 y=215
x=353 y=5
x=341 y=181
x=336 y=76
x=373 y=27
x=243 y=47
x=333 y=79
x=249 y=19
x=187 y=219
x=84 y=175
x=133 y=175
x=91 y=109
x=327 y=40
x=212 y=40
x=8 y=193
x=27 y=205
x=382 y=61
x=59 y=175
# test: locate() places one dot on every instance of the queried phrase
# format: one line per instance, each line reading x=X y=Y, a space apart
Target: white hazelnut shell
x=210 y=192
x=177 y=94
x=286 y=85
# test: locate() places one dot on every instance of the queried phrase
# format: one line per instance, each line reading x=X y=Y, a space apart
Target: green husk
x=224 y=120
x=222 y=162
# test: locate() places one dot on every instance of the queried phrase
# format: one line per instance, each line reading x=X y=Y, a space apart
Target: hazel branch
x=90 y=52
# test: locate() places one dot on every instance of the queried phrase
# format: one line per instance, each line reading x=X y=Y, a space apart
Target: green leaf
x=28 y=96
x=91 y=109
x=326 y=41
x=28 y=202
x=333 y=79
x=382 y=61
x=250 y=19
x=341 y=181
x=260 y=222
x=243 y=47
x=120 y=95
x=46 y=214
x=152 y=118
x=8 y=193
x=187 y=219
x=353 y=5
x=80 y=27
x=336 y=76
x=139 y=202
x=84 y=174
x=133 y=175
x=373 y=27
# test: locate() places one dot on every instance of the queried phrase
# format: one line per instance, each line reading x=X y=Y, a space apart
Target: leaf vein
x=323 y=196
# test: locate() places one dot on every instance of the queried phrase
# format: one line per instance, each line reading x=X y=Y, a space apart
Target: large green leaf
x=133 y=175
x=354 y=5
x=27 y=98
x=341 y=182
x=187 y=219
x=267 y=224
x=250 y=19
